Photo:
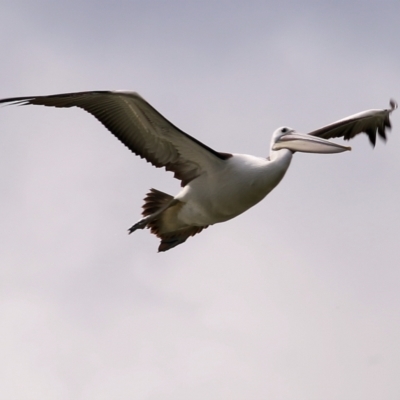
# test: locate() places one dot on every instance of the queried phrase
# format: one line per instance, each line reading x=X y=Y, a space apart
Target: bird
x=215 y=186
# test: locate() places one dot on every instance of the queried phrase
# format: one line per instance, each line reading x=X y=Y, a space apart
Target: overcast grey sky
x=298 y=298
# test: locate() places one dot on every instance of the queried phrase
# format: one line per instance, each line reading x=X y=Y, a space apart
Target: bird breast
x=223 y=194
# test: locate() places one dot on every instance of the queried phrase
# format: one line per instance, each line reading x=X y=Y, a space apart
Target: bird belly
x=210 y=199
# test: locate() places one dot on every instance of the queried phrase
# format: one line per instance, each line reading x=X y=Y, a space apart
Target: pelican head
x=288 y=138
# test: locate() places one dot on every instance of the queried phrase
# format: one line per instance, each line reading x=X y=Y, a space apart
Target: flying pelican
x=216 y=186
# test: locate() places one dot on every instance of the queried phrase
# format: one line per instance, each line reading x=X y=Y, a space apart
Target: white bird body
x=220 y=195
x=216 y=186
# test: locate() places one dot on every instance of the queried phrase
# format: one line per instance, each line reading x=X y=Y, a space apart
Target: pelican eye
x=284 y=130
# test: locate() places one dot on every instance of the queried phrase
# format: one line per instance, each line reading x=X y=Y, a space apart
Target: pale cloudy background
x=296 y=299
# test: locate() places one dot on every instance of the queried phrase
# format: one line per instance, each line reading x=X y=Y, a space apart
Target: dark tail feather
x=170 y=240
x=154 y=201
x=159 y=214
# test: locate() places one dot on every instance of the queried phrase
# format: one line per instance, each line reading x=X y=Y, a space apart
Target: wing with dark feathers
x=141 y=128
x=368 y=122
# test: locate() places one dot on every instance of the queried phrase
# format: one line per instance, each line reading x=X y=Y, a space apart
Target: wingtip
x=393 y=104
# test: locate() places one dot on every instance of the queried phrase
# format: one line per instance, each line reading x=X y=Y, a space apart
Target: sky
x=298 y=298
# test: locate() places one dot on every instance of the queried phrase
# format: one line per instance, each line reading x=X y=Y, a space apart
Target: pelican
x=216 y=187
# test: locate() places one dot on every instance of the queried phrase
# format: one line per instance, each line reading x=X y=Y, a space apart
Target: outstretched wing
x=141 y=128
x=368 y=122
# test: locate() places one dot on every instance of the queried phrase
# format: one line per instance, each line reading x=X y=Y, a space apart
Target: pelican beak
x=308 y=144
